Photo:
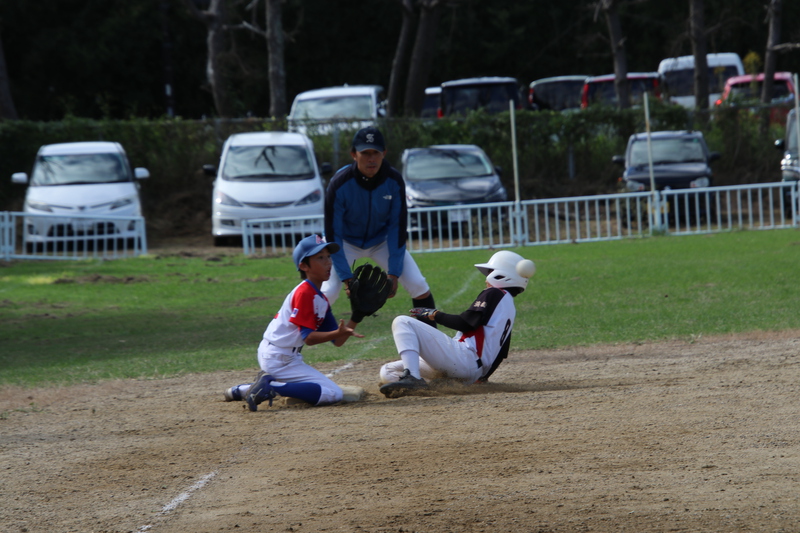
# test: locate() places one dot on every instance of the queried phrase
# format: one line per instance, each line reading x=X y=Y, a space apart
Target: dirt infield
x=700 y=436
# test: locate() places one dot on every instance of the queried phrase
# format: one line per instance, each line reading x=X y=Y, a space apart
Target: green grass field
x=68 y=322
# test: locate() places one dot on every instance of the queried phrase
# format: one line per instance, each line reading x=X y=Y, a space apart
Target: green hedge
x=559 y=154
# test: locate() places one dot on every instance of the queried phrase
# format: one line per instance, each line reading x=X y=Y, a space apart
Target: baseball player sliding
x=482 y=339
x=305 y=318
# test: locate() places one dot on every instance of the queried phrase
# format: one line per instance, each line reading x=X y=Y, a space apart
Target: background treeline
x=112 y=58
x=558 y=154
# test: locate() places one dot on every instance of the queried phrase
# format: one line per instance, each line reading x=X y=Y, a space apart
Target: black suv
x=681 y=160
x=490 y=93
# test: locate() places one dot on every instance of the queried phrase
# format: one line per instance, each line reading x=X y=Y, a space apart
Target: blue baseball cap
x=312 y=245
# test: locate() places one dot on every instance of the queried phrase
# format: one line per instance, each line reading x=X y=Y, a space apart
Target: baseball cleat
x=260 y=390
x=407 y=384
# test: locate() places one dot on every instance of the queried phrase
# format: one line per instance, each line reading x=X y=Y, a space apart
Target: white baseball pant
x=412 y=279
x=290 y=368
x=432 y=352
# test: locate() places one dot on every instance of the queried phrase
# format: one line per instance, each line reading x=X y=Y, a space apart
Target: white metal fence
x=435 y=229
x=565 y=220
x=28 y=236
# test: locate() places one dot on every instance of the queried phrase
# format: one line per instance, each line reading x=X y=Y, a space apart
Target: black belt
x=480 y=363
x=295 y=349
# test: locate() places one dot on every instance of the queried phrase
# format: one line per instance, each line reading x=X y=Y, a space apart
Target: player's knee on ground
x=391 y=372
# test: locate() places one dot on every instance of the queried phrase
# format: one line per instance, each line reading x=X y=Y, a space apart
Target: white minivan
x=345 y=107
x=678 y=74
x=80 y=178
x=266 y=175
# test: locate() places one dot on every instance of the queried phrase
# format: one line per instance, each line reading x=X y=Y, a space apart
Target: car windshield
x=359 y=107
x=603 y=92
x=752 y=90
x=492 y=97
x=438 y=164
x=79 y=169
x=267 y=163
x=665 y=151
x=681 y=82
x=558 y=95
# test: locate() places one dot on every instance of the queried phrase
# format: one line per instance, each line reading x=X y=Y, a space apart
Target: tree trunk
x=422 y=56
x=215 y=43
x=770 y=57
x=697 y=33
x=400 y=61
x=214 y=19
x=618 y=50
x=7 y=109
x=277 y=69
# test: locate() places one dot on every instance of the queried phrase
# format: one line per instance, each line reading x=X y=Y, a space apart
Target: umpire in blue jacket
x=366 y=215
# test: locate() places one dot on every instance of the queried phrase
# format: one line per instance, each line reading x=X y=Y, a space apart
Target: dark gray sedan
x=446 y=175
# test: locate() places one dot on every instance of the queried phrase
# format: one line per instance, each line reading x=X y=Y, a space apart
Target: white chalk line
x=171 y=506
x=464 y=287
x=355 y=356
x=180 y=498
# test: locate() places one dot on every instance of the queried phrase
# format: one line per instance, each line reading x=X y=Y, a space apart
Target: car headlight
x=700 y=182
x=38 y=206
x=497 y=195
x=312 y=198
x=223 y=199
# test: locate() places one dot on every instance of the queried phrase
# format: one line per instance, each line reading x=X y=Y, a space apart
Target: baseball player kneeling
x=304 y=319
x=482 y=339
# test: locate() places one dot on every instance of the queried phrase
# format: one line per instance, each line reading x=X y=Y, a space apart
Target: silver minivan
x=320 y=111
x=80 y=178
x=266 y=175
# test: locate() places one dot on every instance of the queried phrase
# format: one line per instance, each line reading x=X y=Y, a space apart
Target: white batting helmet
x=506 y=269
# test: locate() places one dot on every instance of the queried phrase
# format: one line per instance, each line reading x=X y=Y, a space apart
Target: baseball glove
x=369 y=289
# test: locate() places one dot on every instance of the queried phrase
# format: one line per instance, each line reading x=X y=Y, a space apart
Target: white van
x=678 y=74
x=266 y=174
x=349 y=106
x=80 y=178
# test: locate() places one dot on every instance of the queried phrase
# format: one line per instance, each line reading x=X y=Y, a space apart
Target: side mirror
x=325 y=168
x=713 y=156
x=499 y=170
x=141 y=173
x=618 y=159
x=779 y=144
x=20 y=178
x=210 y=170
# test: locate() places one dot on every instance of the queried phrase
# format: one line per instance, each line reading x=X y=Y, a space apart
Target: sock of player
x=426 y=302
x=411 y=362
x=308 y=392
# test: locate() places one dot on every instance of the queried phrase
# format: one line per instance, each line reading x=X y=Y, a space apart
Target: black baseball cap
x=369 y=139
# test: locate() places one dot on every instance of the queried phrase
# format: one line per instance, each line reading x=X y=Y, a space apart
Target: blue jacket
x=366 y=212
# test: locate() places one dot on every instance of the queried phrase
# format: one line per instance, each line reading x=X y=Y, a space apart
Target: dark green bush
x=558 y=154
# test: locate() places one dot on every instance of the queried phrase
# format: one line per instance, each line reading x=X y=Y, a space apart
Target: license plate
x=81 y=226
x=459 y=215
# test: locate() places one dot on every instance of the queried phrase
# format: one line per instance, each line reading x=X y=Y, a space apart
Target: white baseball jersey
x=304 y=307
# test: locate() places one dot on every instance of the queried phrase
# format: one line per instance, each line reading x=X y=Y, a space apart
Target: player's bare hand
x=393 y=279
x=345 y=331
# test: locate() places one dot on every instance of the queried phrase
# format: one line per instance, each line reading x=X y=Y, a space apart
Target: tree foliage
x=106 y=58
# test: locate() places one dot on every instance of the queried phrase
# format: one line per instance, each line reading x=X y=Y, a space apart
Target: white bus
x=678 y=73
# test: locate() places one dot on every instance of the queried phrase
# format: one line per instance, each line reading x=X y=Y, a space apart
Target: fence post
x=6 y=244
